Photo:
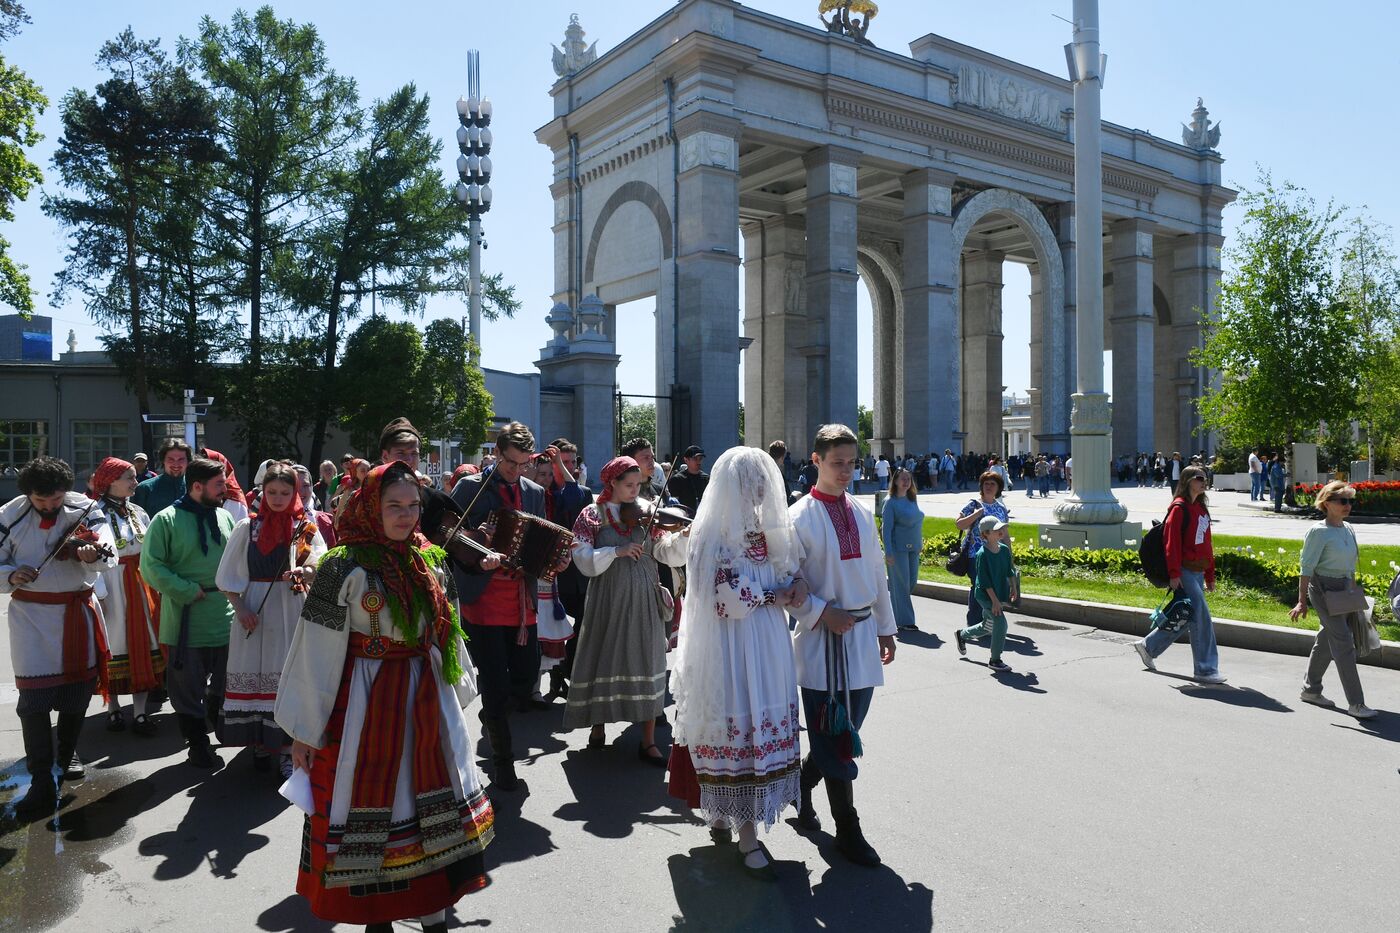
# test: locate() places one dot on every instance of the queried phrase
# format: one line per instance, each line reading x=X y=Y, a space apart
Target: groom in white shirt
x=845 y=628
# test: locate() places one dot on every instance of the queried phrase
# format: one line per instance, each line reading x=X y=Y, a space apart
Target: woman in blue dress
x=902 y=530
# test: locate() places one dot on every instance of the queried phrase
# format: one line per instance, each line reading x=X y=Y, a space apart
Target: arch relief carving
x=650 y=198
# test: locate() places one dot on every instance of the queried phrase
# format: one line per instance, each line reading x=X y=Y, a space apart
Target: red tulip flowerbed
x=1371 y=498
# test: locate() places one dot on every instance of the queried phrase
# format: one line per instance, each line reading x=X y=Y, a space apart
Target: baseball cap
x=989 y=524
x=694 y=450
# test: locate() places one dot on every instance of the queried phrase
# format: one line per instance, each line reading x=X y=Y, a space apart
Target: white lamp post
x=473 y=172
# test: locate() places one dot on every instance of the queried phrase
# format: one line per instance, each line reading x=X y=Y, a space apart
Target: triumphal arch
x=722 y=153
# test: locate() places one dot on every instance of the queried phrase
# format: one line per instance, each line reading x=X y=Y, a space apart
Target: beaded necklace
x=124 y=510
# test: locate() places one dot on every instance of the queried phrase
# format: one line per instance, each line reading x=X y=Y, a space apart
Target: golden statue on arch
x=842 y=21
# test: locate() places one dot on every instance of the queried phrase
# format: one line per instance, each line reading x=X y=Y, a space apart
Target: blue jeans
x=1201 y=630
x=947 y=480
x=823 y=747
x=1278 y=496
x=1044 y=483
x=1256 y=486
x=1057 y=480
x=903 y=574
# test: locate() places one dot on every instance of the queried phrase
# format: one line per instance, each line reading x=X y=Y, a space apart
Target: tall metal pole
x=474 y=224
x=1095 y=515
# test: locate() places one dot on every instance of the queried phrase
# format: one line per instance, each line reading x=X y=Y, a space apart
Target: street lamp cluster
x=474 y=164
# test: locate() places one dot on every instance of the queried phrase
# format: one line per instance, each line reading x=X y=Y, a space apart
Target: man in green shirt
x=155 y=495
x=179 y=559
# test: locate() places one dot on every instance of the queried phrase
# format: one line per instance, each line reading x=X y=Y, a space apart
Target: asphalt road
x=1078 y=793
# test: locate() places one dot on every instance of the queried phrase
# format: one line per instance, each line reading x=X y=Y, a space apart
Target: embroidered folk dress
x=130 y=607
x=255 y=658
x=753 y=775
x=620 y=664
x=424 y=852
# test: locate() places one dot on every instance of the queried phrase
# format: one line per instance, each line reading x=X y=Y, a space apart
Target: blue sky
x=1306 y=90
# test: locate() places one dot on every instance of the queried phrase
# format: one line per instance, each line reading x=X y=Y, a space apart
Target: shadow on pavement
x=103 y=750
x=918 y=638
x=613 y=792
x=216 y=827
x=291 y=915
x=1233 y=696
x=1386 y=725
x=1023 y=645
x=714 y=894
x=1027 y=682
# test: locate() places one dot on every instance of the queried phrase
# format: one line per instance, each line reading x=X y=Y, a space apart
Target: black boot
x=379 y=928
x=69 y=726
x=502 y=753
x=557 y=687
x=200 y=754
x=806 y=815
x=850 y=842
x=42 y=798
x=435 y=927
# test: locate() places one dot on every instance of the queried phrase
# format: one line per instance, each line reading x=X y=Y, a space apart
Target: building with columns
x=721 y=153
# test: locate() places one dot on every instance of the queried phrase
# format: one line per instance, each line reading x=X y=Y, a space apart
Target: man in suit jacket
x=498 y=606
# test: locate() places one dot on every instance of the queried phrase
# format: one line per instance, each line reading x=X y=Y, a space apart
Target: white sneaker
x=1361 y=711
x=1216 y=678
x=1147 y=661
x=1316 y=699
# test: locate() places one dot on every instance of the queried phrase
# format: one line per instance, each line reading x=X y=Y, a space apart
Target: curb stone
x=1131 y=620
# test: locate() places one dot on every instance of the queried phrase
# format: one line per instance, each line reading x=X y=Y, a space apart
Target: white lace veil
x=746 y=495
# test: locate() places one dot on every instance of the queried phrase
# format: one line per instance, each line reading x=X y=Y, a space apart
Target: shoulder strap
x=5 y=530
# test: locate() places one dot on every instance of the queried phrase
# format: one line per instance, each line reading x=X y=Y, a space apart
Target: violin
x=301 y=547
x=667 y=518
x=469 y=546
x=84 y=536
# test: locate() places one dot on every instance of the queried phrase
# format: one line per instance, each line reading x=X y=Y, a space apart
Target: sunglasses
x=1347 y=501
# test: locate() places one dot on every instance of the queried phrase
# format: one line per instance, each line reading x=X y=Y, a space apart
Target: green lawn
x=1130 y=589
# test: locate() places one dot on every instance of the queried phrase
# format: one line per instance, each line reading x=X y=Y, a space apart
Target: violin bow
x=651 y=519
x=461 y=520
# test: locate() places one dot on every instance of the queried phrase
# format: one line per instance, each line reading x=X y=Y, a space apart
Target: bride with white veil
x=736 y=755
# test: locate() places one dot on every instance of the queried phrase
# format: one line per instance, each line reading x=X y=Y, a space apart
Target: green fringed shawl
x=372 y=558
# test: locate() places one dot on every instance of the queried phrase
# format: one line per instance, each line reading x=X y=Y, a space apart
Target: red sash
x=79 y=617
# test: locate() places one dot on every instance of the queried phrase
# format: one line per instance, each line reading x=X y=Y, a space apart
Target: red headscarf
x=611 y=471
x=102 y=477
x=405 y=573
x=466 y=469
x=232 y=489
x=275 y=529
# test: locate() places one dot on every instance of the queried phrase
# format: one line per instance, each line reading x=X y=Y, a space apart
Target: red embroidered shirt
x=843 y=519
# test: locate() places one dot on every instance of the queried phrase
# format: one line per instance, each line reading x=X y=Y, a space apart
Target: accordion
x=529 y=544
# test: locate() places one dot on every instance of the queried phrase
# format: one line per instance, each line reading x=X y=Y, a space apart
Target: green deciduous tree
x=638 y=421
x=1286 y=345
x=124 y=153
x=1370 y=285
x=21 y=103
x=389 y=369
x=284 y=116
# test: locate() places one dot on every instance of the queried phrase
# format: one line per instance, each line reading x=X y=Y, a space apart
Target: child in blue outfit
x=993 y=590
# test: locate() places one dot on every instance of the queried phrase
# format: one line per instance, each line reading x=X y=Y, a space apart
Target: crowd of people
x=339 y=627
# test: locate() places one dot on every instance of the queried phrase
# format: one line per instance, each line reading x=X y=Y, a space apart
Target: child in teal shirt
x=993 y=574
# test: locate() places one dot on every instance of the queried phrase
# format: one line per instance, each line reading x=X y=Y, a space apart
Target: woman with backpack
x=1191 y=574
x=1326 y=570
x=989 y=503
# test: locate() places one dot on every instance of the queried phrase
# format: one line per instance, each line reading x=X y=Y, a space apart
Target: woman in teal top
x=1328 y=561
x=902 y=529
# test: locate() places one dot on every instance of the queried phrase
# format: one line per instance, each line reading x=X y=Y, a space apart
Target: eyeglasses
x=1347 y=501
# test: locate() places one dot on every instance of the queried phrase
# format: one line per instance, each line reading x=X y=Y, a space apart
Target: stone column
x=831 y=287
x=1195 y=293
x=1037 y=301
x=930 y=350
x=708 y=280
x=887 y=416
x=981 y=349
x=1064 y=234
x=1133 y=322
x=775 y=391
x=565 y=238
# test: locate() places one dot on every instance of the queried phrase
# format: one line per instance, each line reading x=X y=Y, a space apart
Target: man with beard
x=156 y=494
x=57 y=641
x=179 y=560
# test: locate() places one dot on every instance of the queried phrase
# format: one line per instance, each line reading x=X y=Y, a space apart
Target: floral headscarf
x=611 y=471
x=107 y=471
x=412 y=586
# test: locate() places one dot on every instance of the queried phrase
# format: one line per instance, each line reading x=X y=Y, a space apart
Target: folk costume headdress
x=412 y=588
x=611 y=471
x=232 y=491
x=275 y=529
x=108 y=471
